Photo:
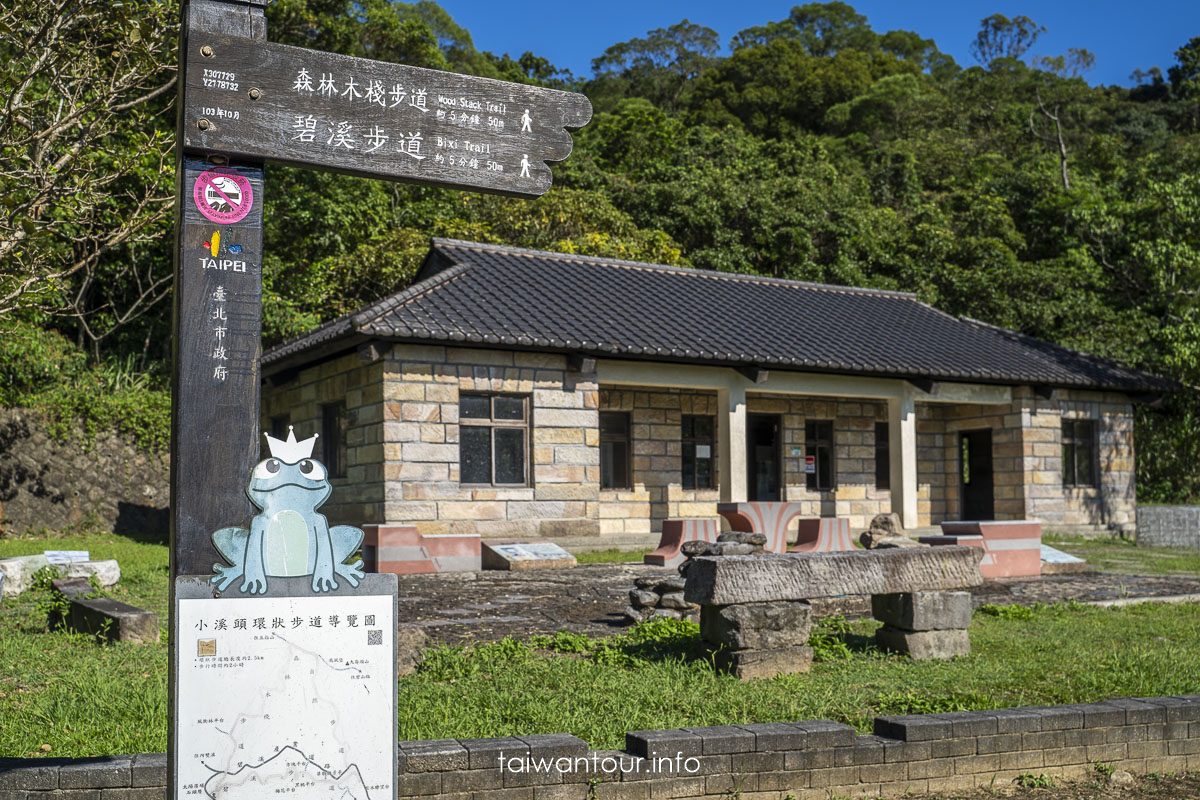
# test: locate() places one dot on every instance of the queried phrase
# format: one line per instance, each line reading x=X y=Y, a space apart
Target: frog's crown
x=290 y=451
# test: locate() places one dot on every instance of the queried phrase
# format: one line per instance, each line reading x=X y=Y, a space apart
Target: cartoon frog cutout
x=288 y=538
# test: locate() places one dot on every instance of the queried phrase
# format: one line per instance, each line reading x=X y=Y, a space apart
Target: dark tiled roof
x=508 y=297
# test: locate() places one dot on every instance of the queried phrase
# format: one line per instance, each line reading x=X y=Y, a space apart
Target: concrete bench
x=757 y=610
x=822 y=535
x=1012 y=548
x=677 y=531
x=773 y=519
x=402 y=550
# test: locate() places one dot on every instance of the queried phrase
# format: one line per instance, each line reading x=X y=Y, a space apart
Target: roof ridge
x=741 y=277
x=372 y=312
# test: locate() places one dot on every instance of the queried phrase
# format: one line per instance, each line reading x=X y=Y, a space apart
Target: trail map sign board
x=282 y=663
x=303 y=107
x=284 y=692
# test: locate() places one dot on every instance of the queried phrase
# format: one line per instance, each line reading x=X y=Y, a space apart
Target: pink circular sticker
x=223 y=198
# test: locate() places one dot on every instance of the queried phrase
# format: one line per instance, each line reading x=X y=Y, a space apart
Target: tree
x=1001 y=37
x=658 y=67
x=821 y=29
x=85 y=157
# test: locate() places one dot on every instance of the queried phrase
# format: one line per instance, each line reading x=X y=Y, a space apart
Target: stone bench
x=756 y=608
x=101 y=616
x=677 y=531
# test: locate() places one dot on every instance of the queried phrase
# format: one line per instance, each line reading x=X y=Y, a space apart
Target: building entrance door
x=975 y=473
x=763 y=463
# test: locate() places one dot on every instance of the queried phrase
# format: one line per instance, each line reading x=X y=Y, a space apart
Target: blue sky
x=571 y=33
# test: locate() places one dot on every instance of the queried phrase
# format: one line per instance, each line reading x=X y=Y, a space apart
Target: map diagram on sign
x=286 y=695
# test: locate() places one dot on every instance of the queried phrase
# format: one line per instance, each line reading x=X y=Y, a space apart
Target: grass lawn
x=1121 y=555
x=612 y=556
x=79 y=698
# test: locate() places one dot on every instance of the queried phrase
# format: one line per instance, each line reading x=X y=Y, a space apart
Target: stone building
x=511 y=392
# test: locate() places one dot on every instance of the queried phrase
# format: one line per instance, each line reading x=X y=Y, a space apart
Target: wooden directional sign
x=259 y=100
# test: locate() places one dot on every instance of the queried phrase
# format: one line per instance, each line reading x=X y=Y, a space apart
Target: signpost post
x=242 y=102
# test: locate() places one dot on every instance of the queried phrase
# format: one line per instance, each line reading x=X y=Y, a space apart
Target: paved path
x=487 y=606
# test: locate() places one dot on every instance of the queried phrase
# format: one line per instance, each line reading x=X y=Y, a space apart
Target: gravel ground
x=455 y=608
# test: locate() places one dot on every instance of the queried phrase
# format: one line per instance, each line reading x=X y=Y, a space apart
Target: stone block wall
x=1111 y=506
x=808 y=760
x=939 y=459
x=656 y=438
x=51 y=484
x=856 y=497
x=1169 y=526
x=421 y=389
x=358 y=497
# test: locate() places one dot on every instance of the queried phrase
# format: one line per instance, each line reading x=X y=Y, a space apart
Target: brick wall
x=655 y=419
x=810 y=760
x=358 y=497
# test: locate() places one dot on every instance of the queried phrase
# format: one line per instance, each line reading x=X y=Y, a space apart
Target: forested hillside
x=1007 y=189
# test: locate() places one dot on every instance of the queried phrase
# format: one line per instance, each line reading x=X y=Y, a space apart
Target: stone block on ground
x=18 y=573
x=71 y=587
x=897 y=541
x=883 y=526
x=112 y=619
x=521 y=556
x=411 y=642
x=923 y=611
x=924 y=645
x=643 y=598
x=1056 y=562
x=675 y=600
x=802 y=576
x=107 y=572
x=757 y=626
x=743 y=537
x=751 y=664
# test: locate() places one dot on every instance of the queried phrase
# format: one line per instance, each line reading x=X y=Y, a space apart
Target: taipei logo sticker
x=223 y=198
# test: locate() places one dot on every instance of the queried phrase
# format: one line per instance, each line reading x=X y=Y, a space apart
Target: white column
x=902 y=446
x=731 y=443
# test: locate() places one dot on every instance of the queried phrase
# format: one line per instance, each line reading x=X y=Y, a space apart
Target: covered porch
x=842 y=446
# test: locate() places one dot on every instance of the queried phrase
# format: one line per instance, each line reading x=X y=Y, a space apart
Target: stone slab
x=1056 y=562
x=924 y=645
x=525 y=556
x=726 y=580
x=112 y=619
x=754 y=664
x=18 y=573
x=923 y=611
x=757 y=626
x=107 y=571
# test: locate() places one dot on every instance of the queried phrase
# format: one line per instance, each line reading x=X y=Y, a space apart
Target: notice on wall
x=285 y=695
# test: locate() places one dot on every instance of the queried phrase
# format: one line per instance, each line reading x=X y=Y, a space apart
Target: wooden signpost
x=243 y=102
